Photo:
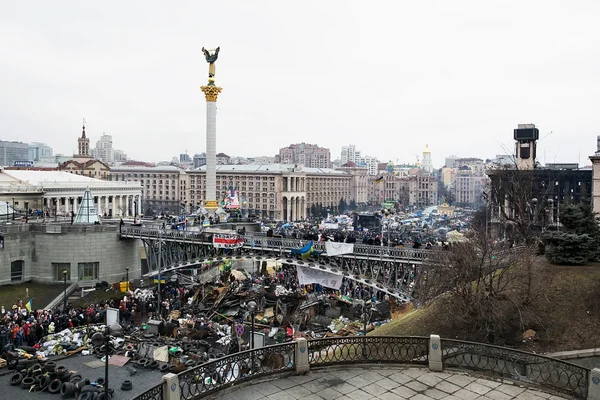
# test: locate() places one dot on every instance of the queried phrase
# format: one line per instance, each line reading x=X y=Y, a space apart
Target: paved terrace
x=385 y=383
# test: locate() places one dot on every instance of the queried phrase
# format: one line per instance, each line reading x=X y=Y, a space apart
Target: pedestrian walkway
x=386 y=384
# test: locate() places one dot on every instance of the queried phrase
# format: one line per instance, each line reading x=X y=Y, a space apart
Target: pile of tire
x=55 y=379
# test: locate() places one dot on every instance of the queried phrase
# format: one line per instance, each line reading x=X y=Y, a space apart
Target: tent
x=455 y=237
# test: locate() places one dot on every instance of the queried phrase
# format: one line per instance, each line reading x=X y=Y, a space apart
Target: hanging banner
x=227 y=242
x=307 y=276
x=337 y=249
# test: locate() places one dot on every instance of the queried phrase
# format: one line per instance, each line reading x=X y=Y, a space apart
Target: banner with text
x=308 y=276
x=227 y=242
x=337 y=249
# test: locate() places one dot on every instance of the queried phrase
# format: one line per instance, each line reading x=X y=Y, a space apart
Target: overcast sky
x=387 y=76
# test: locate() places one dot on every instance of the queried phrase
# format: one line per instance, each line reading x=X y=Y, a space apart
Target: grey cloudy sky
x=388 y=76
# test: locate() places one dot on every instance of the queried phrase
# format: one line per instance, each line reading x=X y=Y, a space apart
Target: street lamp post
x=252 y=308
x=13 y=210
x=159 y=267
x=65 y=280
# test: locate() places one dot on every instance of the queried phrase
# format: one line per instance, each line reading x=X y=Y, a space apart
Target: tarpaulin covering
x=337 y=249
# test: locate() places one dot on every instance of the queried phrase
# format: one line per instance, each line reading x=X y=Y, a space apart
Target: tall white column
x=119 y=205
x=211 y=93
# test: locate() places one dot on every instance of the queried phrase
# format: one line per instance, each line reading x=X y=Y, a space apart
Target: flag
x=305 y=251
x=29 y=304
x=379 y=180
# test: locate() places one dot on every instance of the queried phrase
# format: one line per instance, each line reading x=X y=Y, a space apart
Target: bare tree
x=485 y=288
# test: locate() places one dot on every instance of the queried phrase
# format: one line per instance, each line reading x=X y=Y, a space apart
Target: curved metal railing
x=368 y=349
x=214 y=375
x=518 y=365
x=541 y=371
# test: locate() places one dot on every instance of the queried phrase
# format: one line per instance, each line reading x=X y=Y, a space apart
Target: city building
x=450 y=161
x=60 y=192
x=309 y=155
x=185 y=158
x=83 y=164
x=274 y=191
x=468 y=187
x=13 y=152
x=40 y=152
x=104 y=149
x=164 y=188
x=120 y=156
x=223 y=159
x=199 y=160
x=526 y=191
x=349 y=154
x=359 y=192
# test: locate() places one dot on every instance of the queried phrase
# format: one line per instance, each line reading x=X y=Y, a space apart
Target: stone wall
x=39 y=248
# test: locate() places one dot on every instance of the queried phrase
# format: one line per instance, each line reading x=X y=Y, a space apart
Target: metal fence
x=369 y=349
x=155 y=393
x=517 y=365
x=215 y=375
x=541 y=371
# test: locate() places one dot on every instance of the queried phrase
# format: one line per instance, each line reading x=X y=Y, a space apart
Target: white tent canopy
x=87 y=213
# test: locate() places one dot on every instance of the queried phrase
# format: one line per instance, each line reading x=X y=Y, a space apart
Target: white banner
x=337 y=249
x=307 y=276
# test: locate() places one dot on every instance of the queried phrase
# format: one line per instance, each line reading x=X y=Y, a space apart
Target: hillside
x=568 y=308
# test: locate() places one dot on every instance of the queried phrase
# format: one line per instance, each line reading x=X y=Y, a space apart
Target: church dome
x=426 y=151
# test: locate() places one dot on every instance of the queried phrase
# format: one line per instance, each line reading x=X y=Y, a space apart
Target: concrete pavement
x=385 y=383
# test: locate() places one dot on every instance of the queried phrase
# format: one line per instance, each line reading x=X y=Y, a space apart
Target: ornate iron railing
x=155 y=393
x=369 y=349
x=235 y=368
x=517 y=365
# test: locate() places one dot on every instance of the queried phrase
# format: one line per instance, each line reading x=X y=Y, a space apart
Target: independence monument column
x=211 y=92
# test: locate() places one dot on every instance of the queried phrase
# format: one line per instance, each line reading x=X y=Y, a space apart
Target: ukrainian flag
x=29 y=304
x=379 y=180
x=307 y=250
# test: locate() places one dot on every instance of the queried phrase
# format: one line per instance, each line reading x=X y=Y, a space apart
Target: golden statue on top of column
x=211 y=56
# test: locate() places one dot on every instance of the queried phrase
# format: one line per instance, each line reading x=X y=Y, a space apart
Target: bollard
x=171 y=389
x=435 y=353
x=594 y=385
x=301 y=356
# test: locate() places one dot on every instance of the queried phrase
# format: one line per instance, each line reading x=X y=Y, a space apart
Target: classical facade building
x=164 y=188
x=60 y=193
x=309 y=155
x=83 y=164
x=359 y=184
x=274 y=191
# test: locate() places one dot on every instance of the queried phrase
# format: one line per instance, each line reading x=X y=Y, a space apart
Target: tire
x=126 y=385
x=88 y=388
x=86 y=396
x=27 y=382
x=54 y=386
x=163 y=368
x=100 y=381
x=49 y=367
x=67 y=390
x=105 y=396
x=61 y=370
x=75 y=378
x=65 y=377
x=81 y=384
x=12 y=364
x=129 y=348
x=28 y=349
x=44 y=381
x=153 y=364
x=16 y=379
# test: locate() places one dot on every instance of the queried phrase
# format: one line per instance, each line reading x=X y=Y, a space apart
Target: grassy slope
x=43 y=293
x=569 y=309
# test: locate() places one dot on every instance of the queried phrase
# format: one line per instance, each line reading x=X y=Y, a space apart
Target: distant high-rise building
x=309 y=155
x=199 y=160
x=40 y=152
x=104 y=149
x=184 y=158
x=371 y=163
x=427 y=164
x=120 y=155
x=13 y=151
x=450 y=161
x=349 y=153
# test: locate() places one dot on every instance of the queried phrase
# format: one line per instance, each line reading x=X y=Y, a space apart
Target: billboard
x=23 y=163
